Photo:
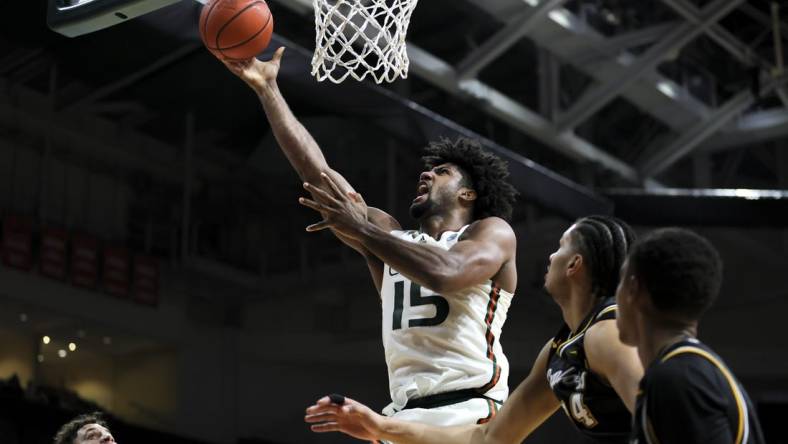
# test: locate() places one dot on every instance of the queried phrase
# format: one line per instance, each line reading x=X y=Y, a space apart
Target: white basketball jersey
x=441 y=343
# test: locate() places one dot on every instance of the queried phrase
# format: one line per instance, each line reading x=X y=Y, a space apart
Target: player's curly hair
x=485 y=172
x=68 y=433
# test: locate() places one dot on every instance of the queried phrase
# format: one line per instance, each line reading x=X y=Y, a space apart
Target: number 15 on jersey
x=416 y=299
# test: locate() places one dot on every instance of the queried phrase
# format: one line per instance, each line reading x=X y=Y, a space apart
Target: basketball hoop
x=360 y=37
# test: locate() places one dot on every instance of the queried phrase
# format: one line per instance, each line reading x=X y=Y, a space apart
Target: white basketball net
x=360 y=37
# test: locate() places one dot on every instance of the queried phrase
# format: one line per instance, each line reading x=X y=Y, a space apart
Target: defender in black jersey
x=688 y=395
x=584 y=369
x=586 y=397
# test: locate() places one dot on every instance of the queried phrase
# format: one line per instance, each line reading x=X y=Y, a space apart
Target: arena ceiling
x=633 y=87
x=596 y=102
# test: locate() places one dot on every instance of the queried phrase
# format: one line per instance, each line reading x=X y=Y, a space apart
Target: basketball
x=236 y=29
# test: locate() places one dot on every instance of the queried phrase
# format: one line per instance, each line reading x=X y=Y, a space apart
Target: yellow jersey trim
x=582 y=331
x=606 y=310
x=725 y=372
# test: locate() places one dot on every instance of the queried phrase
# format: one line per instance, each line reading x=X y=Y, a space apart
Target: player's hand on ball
x=351 y=418
x=344 y=212
x=257 y=74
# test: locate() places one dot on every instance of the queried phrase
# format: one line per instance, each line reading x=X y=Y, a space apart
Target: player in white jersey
x=459 y=354
x=584 y=369
x=445 y=288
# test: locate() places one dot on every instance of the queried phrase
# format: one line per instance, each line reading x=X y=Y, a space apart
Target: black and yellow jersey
x=589 y=401
x=689 y=396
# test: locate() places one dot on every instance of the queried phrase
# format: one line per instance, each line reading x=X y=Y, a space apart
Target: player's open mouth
x=421 y=192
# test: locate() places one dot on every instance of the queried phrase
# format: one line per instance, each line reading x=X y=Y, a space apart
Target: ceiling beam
x=696 y=134
x=728 y=41
x=750 y=130
x=716 y=32
x=764 y=18
x=575 y=43
x=613 y=46
x=504 y=39
x=549 y=84
x=495 y=103
x=600 y=96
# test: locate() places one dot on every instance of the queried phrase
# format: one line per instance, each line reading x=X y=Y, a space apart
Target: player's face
x=436 y=189
x=625 y=319
x=94 y=434
x=555 y=278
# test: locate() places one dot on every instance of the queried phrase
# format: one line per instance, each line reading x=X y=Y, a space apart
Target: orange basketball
x=236 y=29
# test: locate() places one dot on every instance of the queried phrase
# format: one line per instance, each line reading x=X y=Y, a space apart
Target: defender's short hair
x=68 y=433
x=486 y=173
x=681 y=270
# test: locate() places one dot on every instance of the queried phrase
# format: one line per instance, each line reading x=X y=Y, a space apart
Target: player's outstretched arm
x=485 y=247
x=300 y=148
x=359 y=421
x=614 y=361
x=528 y=407
x=298 y=145
x=295 y=141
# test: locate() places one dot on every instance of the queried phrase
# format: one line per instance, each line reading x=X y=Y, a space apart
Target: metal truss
x=611 y=47
x=728 y=41
x=607 y=60
x=505 y=38
x=597 y=98
x=694 y=130
x=497 y=104
x=693 y=136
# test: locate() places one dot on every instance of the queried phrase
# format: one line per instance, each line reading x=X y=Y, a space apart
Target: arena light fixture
x=667 y=88
x=560 y=16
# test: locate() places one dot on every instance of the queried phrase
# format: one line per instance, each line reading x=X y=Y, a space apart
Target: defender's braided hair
x=603 y=241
